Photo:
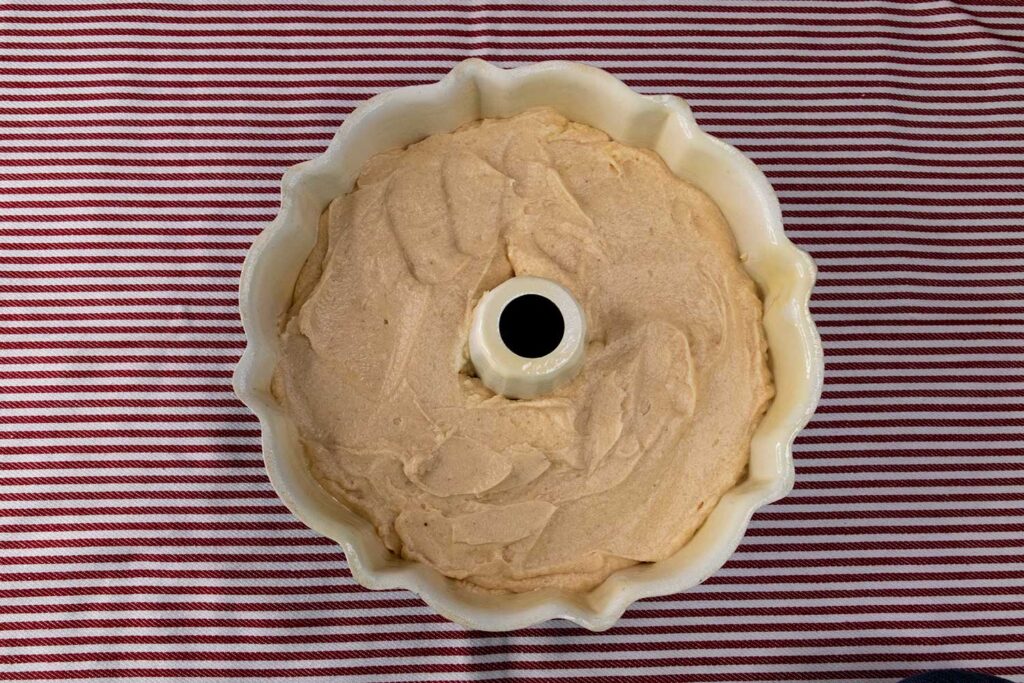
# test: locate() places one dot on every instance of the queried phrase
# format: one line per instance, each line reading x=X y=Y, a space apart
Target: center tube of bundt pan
x=527 y=337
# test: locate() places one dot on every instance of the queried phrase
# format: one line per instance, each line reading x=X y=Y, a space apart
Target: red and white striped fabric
x=142 y=145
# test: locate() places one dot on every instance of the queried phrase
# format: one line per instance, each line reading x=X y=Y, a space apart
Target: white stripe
x=895 y=402
x=384 y=44
x=170 y=82
x=141 y=441
x=189 y=410
x=923 y=275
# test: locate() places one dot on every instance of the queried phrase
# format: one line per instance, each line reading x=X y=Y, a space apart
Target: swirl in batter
x=622 y=465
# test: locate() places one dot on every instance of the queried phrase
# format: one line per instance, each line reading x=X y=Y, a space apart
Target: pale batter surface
x=620 y=466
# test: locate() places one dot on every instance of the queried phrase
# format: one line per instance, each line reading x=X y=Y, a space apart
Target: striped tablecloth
x=142 y=145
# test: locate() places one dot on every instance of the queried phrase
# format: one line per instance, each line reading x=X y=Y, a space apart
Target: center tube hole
x=531 y=326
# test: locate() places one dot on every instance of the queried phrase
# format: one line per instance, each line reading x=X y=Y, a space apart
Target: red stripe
x=264 y=525
x=462 y=651
x=120 y=358
x=98 y=189
x=119 y=287
x=831 y=546
x=918 y=336
x=923 y=483
x=459 y=50
x=99 y=511
x=680 y=64
x=924 y=379
x=497 y=44
x=924 y=452
x=279 y=574
x=767 y=531
x=387 y=10
x=888 y=513
x=924 y=365
x=888 y=561
x=136 y=203
x=351 y=622
x=109 y=301
x=925 y=121
x=967 y=467
x=122 y=403
x=46 y=246
x=327 y=555
x=129 y=464
x=702 y=65
x=496 y=29
x=195 y=623
x=120 y=315
x=910 y=438
x=151 y=149
x=254 y=162
x=912 y=310
x=912 y=268
x=938 y=241
x=924 y=351
x=136 y=175
x=552 y=646
x=139 y=672
x=132 y=433
x=999 y=121
x=341 y=110
x=117 y=388
x=914 y=322
x=898 y=408
x=879 y=135
x=488 y=666
x=904 y=365
x=364 y=90
x=177 y=217
x=689 y=63
x=134 y=231
x=675 y=677
x=766 y=108
x=181 y=136
x=525 y=665
x=349 y=635
x=986 y=392
x=198 y=590
x=113 y=372
x=925 y=296
x=241 y=541
x=107 y=449
x=898 y=213
x=122 y=344
x=142 y=329
x=588 y=29
x=918 y=174
x=755 y=149
x=136 y=495
x=137 y=479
